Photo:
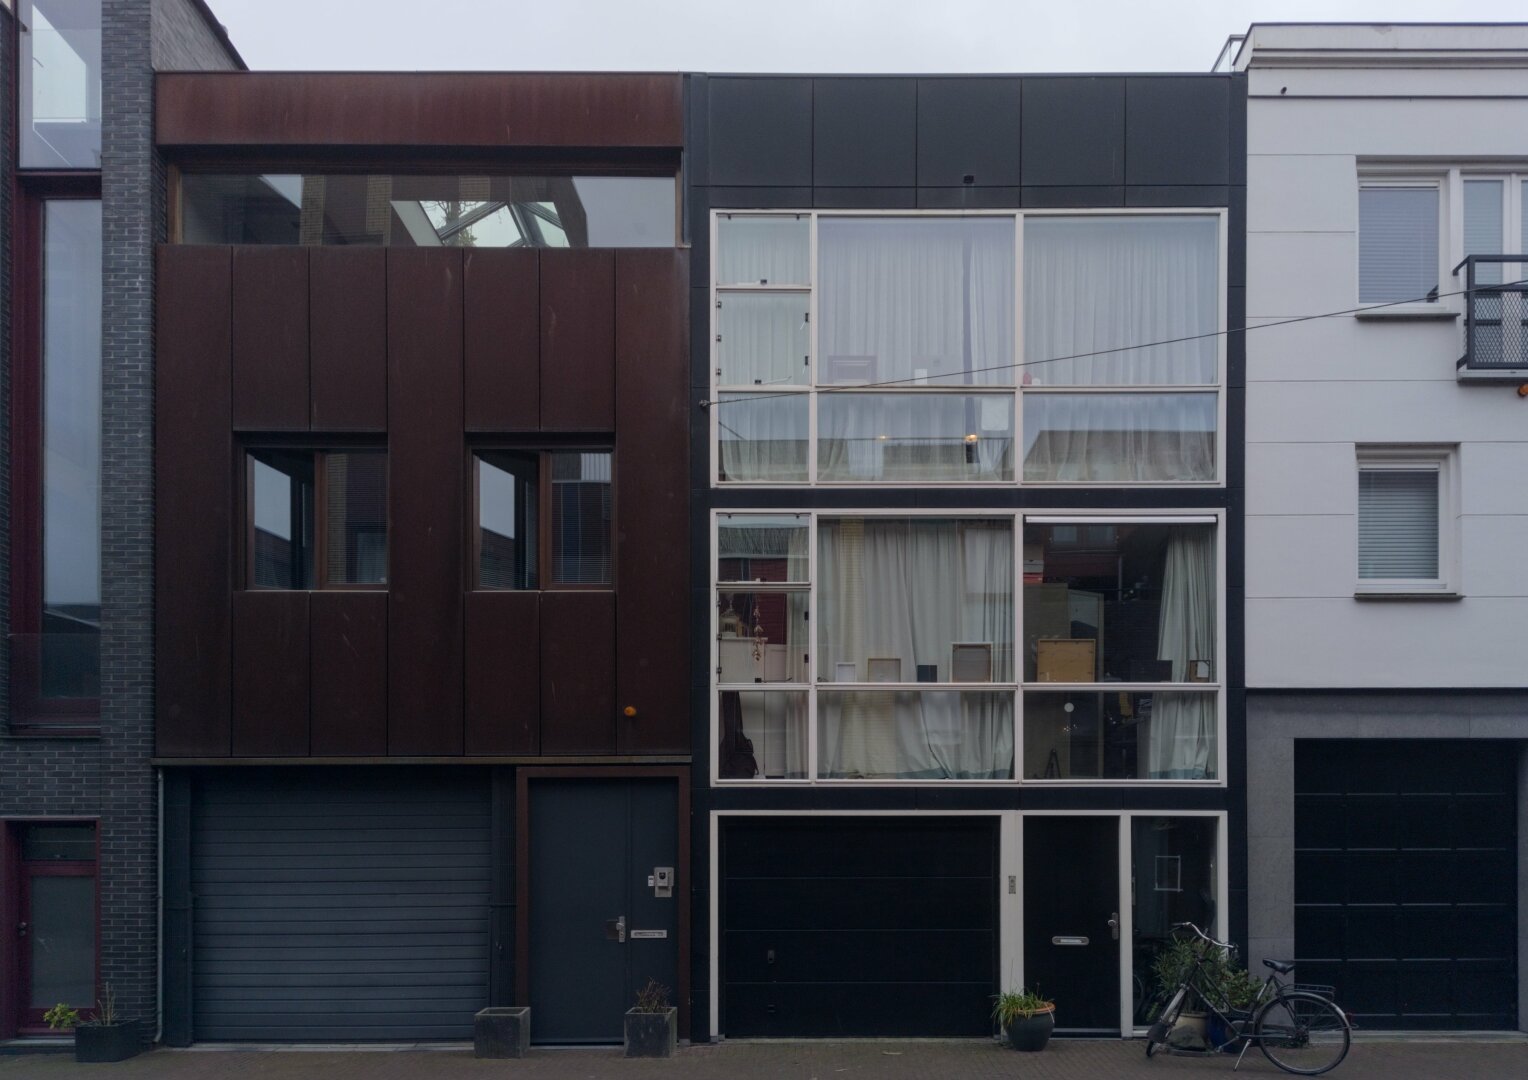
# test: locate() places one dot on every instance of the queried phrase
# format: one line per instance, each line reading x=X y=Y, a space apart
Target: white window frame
x=1016 y=686
x=1445 y=461
x=1017 y=390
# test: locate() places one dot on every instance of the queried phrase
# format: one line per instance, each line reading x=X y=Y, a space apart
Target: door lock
x=615 y=929
x=21 y=929
x=1114 y=925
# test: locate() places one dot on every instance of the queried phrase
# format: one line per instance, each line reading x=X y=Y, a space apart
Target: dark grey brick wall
x=184 y=42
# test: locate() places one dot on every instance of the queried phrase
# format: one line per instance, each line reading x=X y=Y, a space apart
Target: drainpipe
x=159 y=911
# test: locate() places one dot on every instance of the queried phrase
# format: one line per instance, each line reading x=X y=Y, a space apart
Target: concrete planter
x=503 y=1032
x=107 y=1042
x=651 y=1034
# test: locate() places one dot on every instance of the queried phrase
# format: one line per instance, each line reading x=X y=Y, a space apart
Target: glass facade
x=60 y=84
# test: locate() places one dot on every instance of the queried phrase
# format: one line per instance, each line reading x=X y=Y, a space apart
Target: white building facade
x=1387 y=516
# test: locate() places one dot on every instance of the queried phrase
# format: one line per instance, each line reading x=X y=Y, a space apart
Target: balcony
x=1495 y=319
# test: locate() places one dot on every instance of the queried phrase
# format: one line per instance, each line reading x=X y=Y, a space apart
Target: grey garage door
x=1406 y=879
x=340 y=905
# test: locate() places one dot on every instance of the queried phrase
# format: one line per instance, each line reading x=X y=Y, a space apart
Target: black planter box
x=501 y=1032
x=107 y=1042
x=652 y=1034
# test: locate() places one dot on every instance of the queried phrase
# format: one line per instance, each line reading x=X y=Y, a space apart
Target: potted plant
x=1218 y=971
x=1026 y=1018
x=501 y=1032
x=652 y=1026
x=105 y=1037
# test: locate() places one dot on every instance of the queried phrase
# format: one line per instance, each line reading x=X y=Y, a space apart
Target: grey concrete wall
x=1275 y=721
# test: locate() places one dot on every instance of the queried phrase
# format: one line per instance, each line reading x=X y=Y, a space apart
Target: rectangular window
x=1404 y=520
x=427 y=211
x=887 y=647
x=1397 y=242
x=317 y=519
x=543 y=519
x=60 y=84
x=875 y=349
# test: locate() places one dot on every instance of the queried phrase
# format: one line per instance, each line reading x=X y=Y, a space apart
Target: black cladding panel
x=1072 y=131
x=760 y=132
x=865 y=132
x=968 y=128
x=1177 y=130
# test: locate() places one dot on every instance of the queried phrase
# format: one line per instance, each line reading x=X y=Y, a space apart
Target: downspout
x=159 y=912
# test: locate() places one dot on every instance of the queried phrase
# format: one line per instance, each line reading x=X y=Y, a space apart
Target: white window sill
x=1402 y=312
x=1371 y=591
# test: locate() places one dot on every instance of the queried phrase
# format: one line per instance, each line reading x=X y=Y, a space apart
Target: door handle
x=615 y=929
x=1114 y=924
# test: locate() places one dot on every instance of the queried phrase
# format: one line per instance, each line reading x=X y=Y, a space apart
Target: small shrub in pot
x=1026 y=1018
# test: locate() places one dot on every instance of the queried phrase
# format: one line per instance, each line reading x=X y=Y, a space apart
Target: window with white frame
x=894 y=647
x=1398 y=226
x=1405 y=520
x=878 y=348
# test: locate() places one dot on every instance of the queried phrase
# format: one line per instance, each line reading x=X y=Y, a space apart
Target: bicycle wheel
x=1303 y=1033
x=1157 y=1034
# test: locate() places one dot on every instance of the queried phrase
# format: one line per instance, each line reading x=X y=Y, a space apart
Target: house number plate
x=638 y=935
x=1054 y=940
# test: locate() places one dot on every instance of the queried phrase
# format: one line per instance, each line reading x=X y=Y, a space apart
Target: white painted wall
x=1323 y=101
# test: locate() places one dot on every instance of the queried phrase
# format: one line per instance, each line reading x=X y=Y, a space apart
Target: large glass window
x=60 y=84
x=1174 y=876
x=317 y=519
x=543 y=519
x=427 y=211
x=884 y=348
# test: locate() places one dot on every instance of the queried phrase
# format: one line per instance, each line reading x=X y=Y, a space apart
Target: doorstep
x=38 y=1044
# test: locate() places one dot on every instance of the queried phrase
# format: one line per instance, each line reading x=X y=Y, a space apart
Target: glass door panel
x=1174 y=878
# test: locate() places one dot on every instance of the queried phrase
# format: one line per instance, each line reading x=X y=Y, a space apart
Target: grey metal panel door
x=595 y=921
x=340 y=905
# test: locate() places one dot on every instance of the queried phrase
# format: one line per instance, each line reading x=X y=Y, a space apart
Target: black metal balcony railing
x=1495 y=315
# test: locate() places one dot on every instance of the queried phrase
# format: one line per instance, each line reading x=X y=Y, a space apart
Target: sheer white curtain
x=763 y=438
x=1181 y=734
x=916 y=298
x=905 y=592
x=773 y=249
x=915 y=437
x=764 y=340
x=1120 y=437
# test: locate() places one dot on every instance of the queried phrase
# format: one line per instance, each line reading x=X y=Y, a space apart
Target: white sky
x=784 y=35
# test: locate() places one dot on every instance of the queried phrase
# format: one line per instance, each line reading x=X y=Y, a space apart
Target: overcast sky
x=784 y=35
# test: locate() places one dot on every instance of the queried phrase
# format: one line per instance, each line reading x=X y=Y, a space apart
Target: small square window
x=1404 y=521
x=1397 y=242
x=542 y=519
x=317 y=519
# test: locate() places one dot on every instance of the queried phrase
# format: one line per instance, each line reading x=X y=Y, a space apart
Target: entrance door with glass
x=56 y=922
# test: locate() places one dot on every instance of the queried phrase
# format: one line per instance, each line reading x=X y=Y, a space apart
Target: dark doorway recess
x=602 y=922
x=1406 y=880
x=1071 y=919
x=858 y=927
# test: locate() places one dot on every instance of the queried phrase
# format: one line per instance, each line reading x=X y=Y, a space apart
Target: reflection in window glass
x=763 y=735
x=508 y=539
x=62 y=939
x=762 y=438
x=916 y=300
x=761 y=637
x=914 y=735
x=580 y=518
x=60 y=84
x=1173 y=872
x=761 y=547
x=910 y=600
x=355 y=498
x=1119 y=438
x=1120 y=735
x=427 y=211
x=283 y=538
x=69 y=658
x=1127 y=602
x=773 y=250
x=914 y=437
x=1097 y=283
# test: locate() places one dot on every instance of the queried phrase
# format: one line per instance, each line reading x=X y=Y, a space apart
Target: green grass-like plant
x=1019 y=1004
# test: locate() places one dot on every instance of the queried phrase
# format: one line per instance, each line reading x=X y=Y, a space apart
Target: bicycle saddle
x=1283 y=967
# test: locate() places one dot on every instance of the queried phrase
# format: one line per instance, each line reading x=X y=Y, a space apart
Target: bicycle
x=1297 y=1026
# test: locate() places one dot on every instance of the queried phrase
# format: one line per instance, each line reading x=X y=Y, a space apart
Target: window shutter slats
x=1398 y=524
x=1397 y=243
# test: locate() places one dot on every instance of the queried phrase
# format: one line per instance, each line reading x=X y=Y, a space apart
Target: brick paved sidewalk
x=902 y=1060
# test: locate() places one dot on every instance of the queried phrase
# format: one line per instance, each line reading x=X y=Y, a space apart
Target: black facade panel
x=1195 y=195
x=1177 y=130
x=968 y=128
x=969 y=198
x=1073 y=131
x=1056 y=198
x=860 y=198
x=761 y=198
x=760 y=131
x=865 y=132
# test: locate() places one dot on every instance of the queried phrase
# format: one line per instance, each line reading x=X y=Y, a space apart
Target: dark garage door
x=858 y=926
x=1406 y=880
x=340 y=905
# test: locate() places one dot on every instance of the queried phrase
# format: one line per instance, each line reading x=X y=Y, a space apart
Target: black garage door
x=858 y=926
x=1406 y=880
x=340 y=905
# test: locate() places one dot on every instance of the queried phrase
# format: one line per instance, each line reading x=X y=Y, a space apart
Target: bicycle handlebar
x=1201 y=934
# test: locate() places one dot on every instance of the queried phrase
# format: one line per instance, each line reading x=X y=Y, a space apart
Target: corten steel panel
x=503 y=672
x=348 y=337
x=279 y=109
x=577 y=340
x=193 y=503
x=503 y=320
x=270 y=338
x=348 y=630
x=424 y=419
x=652 y=501
x=270 y=673
x=577 y=673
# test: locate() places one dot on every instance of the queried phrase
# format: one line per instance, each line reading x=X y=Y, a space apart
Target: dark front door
x=56 y=922
x=1071 y=918
x=602 y=922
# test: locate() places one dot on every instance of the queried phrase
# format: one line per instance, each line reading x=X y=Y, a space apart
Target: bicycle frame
x=1236 y=1021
